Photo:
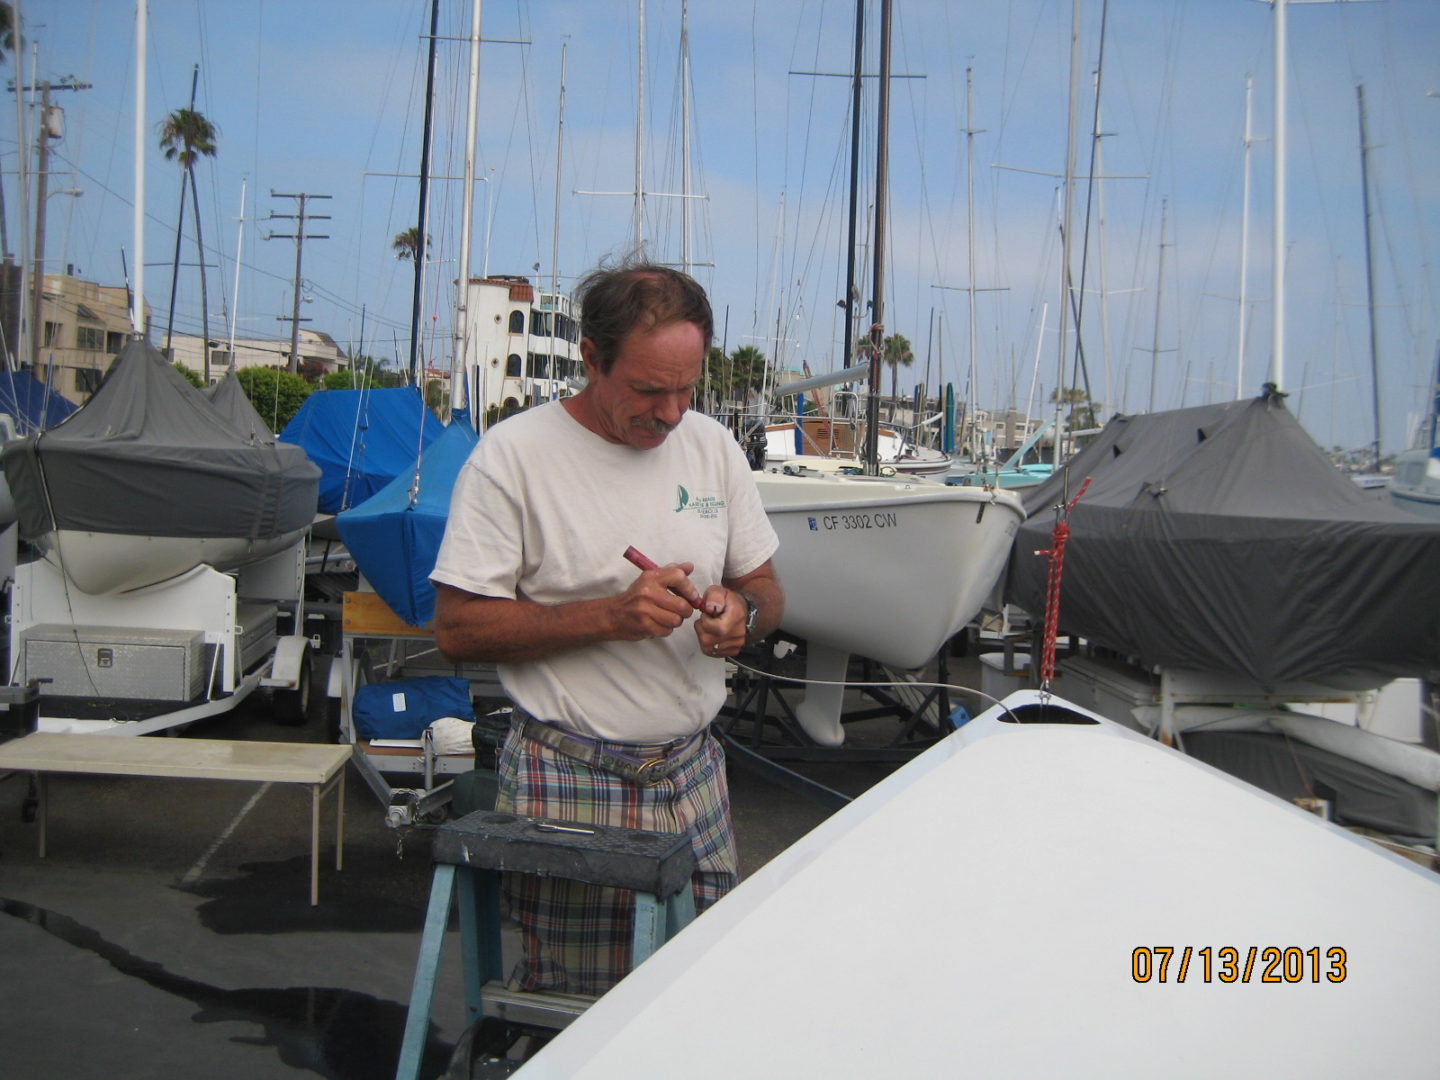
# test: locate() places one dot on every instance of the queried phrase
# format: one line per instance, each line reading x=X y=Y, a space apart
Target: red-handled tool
x=644 y=562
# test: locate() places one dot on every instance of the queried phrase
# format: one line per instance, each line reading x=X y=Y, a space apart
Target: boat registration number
x=847 y=522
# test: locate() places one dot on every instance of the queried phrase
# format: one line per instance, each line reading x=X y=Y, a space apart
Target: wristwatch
x=752 y=614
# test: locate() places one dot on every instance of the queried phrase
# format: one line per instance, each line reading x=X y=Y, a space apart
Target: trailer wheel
x=292 y=707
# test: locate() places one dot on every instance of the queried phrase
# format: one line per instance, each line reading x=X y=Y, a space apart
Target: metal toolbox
x=115 y=662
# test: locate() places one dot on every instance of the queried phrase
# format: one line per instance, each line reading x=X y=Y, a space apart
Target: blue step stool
x=473 y=851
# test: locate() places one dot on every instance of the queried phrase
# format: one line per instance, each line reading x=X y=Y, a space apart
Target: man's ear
x=590 y=355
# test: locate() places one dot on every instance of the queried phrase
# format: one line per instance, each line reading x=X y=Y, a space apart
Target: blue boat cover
x=394 y=536
x=33 y=404
x=361 y=439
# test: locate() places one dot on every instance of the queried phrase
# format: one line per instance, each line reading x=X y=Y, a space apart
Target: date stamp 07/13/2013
x=1238 y=964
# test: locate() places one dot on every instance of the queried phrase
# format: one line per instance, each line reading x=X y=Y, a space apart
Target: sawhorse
x=471 y=853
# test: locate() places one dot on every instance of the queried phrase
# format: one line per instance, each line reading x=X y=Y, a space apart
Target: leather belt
x=643 y=770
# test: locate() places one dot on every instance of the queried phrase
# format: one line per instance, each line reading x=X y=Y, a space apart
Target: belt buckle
x=642 y=774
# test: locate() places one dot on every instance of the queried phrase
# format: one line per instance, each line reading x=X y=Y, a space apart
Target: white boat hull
x=888 y=568
x=1416 y=486
x=1043 y=899
x=102 y=564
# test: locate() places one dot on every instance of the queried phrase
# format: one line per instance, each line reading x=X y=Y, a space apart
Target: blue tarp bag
x=404 y=708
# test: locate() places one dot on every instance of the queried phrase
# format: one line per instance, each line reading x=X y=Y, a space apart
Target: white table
x=319 y=765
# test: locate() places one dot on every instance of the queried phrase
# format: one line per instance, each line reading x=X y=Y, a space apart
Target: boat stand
x=760 y=727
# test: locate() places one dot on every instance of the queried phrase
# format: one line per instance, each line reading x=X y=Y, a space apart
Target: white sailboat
x=1416 y=486
x=1107 y=908
x=883 y=567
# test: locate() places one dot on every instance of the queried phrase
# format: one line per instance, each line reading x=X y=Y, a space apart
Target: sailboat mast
x=1067 y=217
x=235 y=294
x=640 y=134
x=1244 y=245
x=1277 y=269
x=21 y=348
x=877 y=312
x=142 y=21
x=1159 y=296
x=420 y=243
x=970 y=239
x=851 y=298
x=685 y=136
x=459 y=361
x=1369 y=271
x=555 y=226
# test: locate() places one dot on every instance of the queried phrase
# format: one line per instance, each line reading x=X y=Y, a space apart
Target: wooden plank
x=200 y=759
x=365 y=613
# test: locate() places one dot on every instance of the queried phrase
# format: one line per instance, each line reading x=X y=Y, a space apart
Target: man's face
x=649 y=386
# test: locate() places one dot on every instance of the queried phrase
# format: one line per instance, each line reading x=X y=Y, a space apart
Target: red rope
x=1056 y=551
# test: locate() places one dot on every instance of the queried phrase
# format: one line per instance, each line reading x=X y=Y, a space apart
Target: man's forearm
x=495 y=629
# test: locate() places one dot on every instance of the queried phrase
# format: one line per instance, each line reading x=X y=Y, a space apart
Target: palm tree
x=1084 y=413
x=895 y=350
x=184 y=136
x=407 y=244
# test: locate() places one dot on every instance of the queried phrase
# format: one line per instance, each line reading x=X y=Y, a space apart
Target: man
x=614 y=693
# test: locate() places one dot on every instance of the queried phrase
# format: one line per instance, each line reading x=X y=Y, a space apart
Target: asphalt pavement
x=169 y=931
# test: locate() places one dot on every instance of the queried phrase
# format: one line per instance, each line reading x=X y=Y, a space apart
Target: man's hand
x=721 y=627
x=657 y=603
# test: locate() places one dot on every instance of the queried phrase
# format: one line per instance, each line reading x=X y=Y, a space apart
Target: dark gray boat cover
x=150 y=456
x=1221 y=539
x=228 y=396
x=1359 y=794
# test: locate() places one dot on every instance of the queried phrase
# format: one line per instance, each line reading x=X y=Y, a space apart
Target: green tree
x=345 y=380
x=406 y=245
x=191 y=375
x=731 y=376
x=277 y=395
x=435 y=395
x=1083 y=412
x=186 y=135
x=895 y=350
x=376 y=373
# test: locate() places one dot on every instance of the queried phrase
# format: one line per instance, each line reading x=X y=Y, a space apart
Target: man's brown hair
x=616 y=301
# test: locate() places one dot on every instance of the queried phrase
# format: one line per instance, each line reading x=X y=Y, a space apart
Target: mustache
x=653 y=426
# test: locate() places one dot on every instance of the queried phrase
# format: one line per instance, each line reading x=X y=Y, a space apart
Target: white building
x=522 y=346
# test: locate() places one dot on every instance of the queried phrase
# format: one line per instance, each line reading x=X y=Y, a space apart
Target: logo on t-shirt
x=707 y=506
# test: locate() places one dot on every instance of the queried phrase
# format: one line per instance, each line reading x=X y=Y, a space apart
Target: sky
x=327 y=97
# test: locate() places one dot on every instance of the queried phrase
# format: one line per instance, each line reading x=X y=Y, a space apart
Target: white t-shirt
x=544 y=509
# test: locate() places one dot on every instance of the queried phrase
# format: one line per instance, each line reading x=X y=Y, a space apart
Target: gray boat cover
x=150 y=456
x=1360 y=794
x=1221 y=539
x=228 y=396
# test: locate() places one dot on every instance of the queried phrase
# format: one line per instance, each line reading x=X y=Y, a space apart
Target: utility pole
x=51 y=126
x=299 y=236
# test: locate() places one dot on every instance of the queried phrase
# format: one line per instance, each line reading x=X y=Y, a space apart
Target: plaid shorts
x=577 y=937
